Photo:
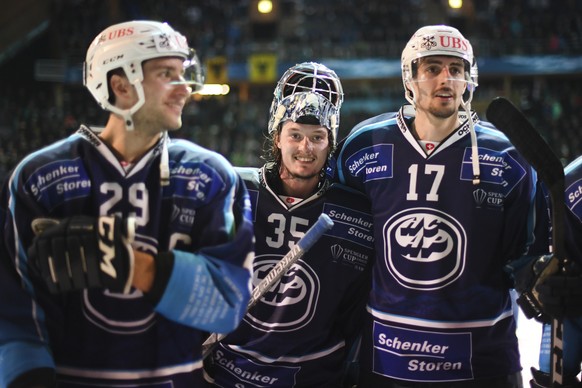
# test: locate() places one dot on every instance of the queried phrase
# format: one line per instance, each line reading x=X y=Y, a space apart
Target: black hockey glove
x=526 y=281
x=561 y=295
x=84 y=252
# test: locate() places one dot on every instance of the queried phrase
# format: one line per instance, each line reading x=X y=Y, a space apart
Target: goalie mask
x=127 y=45
x=310 y=92
x=437 y=40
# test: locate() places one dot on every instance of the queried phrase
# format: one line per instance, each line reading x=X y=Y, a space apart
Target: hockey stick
x=532 y=146
x=323 y=224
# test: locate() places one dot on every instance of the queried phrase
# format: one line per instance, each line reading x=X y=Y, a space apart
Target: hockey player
x=560 y=295
x=452 y=203
x=122 y=247
x=301 y=331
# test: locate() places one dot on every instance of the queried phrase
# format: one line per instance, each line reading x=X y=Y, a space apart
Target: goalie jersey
x=440 y=307
x=301 y=330
x=97 y=338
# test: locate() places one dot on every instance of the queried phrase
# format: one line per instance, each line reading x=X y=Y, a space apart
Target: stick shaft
x=527 y=140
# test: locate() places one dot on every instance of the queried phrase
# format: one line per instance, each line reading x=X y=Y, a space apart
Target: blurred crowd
x=334 y=28
x=33 y=114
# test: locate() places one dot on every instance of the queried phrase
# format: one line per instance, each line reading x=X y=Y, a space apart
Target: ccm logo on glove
x=84 y=252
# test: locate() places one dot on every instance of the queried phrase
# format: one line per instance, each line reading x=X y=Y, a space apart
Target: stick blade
x=510 y=120
x=532 y=146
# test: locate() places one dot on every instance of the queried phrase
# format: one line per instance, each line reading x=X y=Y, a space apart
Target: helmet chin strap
x=165 y=161
x=127 y=114
x=474 y=149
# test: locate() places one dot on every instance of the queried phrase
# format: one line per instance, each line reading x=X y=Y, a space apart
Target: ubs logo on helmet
x=424 y=248
x=115 y=34
x=454 y=42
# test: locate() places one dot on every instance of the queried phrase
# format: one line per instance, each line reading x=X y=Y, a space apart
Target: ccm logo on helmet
x=114 y=59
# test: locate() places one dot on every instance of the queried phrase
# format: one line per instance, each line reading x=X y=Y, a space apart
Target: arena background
x=527 y=50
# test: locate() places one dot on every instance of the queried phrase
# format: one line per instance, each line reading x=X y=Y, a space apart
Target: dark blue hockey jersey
x=572 y=329
x=573 y=173
x=95 y=337
x=440 y=308
x=300 y=332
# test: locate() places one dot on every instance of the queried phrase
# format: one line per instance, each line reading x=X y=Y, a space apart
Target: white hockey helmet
x=127 y=45
x=437 y=40
x=308 y=89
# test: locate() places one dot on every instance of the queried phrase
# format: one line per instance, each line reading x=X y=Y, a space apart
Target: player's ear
x=408 y=86
x=277 y=138
x=121 y=88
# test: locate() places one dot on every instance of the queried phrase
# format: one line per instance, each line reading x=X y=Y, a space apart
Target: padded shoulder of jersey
x=249 y=174
x=372 y=120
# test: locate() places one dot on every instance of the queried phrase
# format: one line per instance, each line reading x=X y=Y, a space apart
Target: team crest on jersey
x=299 y=288
x=371 y=163
x=424 y=248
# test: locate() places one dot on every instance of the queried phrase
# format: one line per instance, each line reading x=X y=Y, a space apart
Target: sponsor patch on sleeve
x=371 y=163
x=574 y=198
x=496 y=167
x=60 y=181
x=350 y=224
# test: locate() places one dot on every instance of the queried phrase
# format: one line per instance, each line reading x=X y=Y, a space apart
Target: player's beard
x=442 y=112
x=430 y=103
x=290 y=175
x=156 y=120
